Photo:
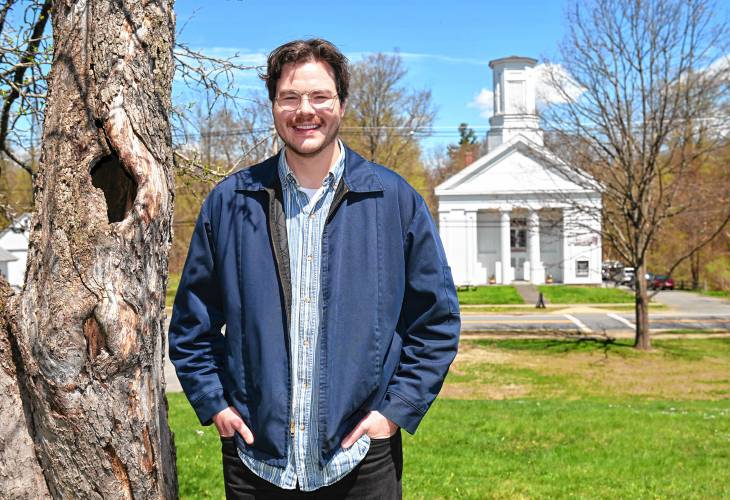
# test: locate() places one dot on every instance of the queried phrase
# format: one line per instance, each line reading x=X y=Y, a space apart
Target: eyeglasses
x=318 y=99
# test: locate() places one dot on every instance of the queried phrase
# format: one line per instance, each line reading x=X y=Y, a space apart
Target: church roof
x=518 y=166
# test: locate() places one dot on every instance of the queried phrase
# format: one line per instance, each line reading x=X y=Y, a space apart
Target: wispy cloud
x=417 y=56
x=239 y=55
x=720 y=64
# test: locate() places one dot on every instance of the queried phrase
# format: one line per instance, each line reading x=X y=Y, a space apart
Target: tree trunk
x=90 y=318
x=694 y=264
x=642 y=339
x=20 y=472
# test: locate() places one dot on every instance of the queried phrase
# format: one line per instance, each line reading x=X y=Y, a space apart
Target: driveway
x=681 y=302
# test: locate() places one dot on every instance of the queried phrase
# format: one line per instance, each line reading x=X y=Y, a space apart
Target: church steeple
x=514 y=113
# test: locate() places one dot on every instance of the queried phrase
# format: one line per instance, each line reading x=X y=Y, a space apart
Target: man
x=340 y=313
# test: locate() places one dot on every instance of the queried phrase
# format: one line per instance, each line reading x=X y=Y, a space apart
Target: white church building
x=519 y=213
x=14 y=250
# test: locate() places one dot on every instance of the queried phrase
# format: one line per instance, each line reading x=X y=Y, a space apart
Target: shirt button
x=306 y=299
x=311 y=216
x=301 y=428
x=309 y=258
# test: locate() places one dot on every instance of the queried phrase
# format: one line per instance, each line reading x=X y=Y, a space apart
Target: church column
x=505 y=246
x=470 y=217
x=537 y=271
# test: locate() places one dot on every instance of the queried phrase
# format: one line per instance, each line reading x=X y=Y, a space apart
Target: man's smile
x=306 y=126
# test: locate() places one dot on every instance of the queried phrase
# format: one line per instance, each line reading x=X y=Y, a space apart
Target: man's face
x=307 y=131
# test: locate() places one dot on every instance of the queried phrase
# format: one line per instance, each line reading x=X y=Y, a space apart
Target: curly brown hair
x=314 y=49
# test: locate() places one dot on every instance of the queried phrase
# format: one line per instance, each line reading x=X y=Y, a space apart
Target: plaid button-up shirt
x=305 y=221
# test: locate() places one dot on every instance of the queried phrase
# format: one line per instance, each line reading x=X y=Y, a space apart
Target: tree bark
x=642 y=339
x=694 y=265
x=20 y=472
x=90 y=318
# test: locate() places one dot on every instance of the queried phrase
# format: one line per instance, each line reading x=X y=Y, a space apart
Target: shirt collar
x=288 y=179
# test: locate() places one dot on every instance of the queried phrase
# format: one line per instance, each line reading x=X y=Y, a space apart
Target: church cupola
x=514 y=101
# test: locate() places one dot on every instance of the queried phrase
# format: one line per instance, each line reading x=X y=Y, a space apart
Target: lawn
x=571 y=294
x=494 y=294
x=550 y=419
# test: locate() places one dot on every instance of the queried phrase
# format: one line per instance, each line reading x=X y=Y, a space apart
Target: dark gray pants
x=378 y=476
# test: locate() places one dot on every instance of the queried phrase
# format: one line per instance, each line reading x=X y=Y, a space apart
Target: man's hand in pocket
x=229 y=421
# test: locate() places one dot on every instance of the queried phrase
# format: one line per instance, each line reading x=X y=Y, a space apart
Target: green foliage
x=570 y=294
x=718 y=270
x=466 y=134
x=495 y=294
x=16 y=192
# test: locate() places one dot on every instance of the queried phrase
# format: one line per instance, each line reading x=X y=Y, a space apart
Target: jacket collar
x=359 y=175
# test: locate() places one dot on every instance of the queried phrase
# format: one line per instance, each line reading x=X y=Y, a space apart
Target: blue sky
x=445 y=45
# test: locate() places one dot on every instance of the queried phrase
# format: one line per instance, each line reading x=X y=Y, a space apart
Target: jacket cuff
x=401 y=412
x=209 y=405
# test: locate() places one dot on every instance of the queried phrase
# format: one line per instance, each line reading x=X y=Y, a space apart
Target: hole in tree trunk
x=118 y=186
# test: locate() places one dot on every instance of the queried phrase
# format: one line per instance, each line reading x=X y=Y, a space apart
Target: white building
x=519 y=212
x=14 y=250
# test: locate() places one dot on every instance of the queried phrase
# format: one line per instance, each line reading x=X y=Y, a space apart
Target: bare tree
x=213 y=142
x=385 y=119
x=83 y=406
x=651 y=79
x=25 y=55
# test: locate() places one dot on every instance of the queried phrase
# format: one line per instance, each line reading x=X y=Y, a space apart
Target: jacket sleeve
x=431 y=322
x=196 y=344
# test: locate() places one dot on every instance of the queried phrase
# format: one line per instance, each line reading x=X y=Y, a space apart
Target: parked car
x=627 y=276
x=661 y=282
x=611 y=270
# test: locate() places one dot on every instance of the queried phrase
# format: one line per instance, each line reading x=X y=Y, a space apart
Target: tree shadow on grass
x=562 y=343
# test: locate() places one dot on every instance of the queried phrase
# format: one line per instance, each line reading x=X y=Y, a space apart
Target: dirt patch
x=650 y=375
x=481 y=372
x=484 y=391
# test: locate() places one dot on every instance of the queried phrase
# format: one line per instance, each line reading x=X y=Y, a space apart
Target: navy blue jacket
x=389 y=312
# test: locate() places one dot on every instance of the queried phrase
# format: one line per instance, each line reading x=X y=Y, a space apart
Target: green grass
x=199 y=466
x=685 y=349
x=622 y=347
x=560 y=449
x=629 y=307
x=509 y=309
x=693 y=331
x=530 y=448
x=573 y=434
x=494 y=294
x=571 y=294
x=723 y=294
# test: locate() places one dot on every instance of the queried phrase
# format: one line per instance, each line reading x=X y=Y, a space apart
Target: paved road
x=688 y=302
x=685 y=310
x=590 y=321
